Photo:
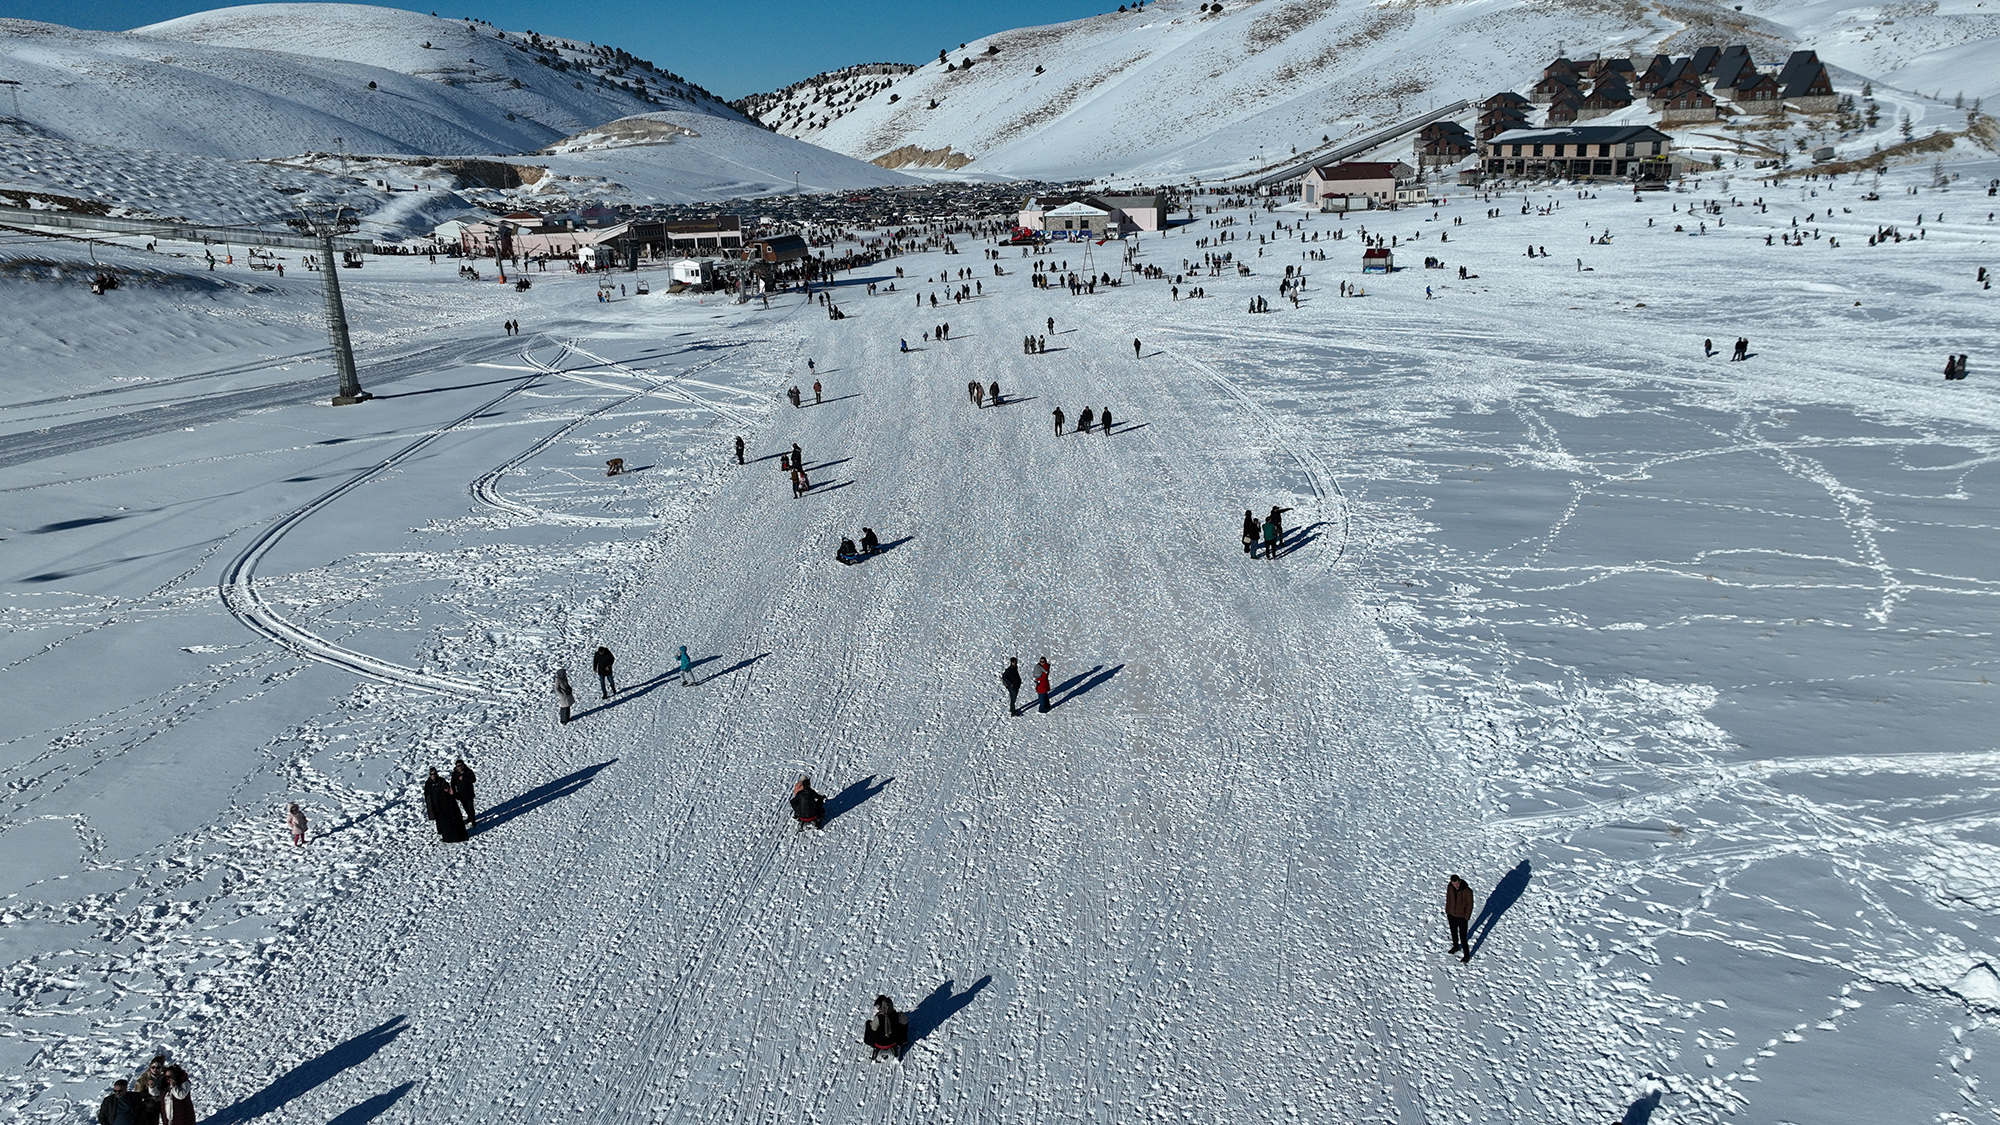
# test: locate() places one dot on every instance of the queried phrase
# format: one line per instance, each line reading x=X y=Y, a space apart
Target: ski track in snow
x=1682 y=654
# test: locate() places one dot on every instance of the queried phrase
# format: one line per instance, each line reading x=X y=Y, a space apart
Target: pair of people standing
x=1010 y=678
x=449 y=802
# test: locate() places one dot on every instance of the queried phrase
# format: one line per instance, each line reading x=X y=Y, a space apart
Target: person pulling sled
x=808 y=805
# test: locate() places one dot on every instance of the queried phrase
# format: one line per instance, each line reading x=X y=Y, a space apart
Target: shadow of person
x=372 y=1108
x=538 y=796
x=1505 y=894
x=1082 y=682
x=1641 y=1111
x=313 y=1073
x=849 y=798
x=940 y=1006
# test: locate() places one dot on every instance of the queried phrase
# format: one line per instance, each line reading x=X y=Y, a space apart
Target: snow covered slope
x=280 y=79
x=668 y=157
x=1190 y=89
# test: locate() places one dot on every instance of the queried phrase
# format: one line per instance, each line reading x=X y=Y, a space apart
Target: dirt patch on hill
x=911 y=156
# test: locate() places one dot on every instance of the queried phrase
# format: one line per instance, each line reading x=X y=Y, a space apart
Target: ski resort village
x=1345 y=561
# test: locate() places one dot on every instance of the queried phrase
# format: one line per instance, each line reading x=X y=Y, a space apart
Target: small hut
x=1377 y=259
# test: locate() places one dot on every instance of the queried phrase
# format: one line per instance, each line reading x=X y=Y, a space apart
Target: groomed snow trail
x=1187 y=892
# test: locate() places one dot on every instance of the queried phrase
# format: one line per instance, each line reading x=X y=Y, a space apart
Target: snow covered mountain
x=280 y=79
x=1183 y=88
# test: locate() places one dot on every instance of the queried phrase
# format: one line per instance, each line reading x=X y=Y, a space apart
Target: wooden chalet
x=1585 y=152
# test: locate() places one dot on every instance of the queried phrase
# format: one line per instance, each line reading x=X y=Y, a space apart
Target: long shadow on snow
x=836 y=398
x=1081 y=682
x=940 y=1006
x=815 y=490
x=1008 y=401
x=1128 y=427
x=849 y=798
x=537 y=797
x=1641 y=1111
x=372 y=1108
x=456 y=387
x=736 y=667
x=882 y=550
x=643 y=687
x=818 y=465
x=1296 y=539
x=1506 y=893
x=313 y=1073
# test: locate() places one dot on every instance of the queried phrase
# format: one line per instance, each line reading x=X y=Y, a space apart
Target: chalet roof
x=1750 y=80
x=1703 y=59
x=1365 y=170
x=1730 y=65
x=1504 y=98
x=1132 y=202
x=1445 y=129
x=1801 y=64
x=1582 y=134
x=1616 y=97
x=1376 y=252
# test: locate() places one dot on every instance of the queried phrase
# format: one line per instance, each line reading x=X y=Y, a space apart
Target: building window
x=1630 y=148
x=1604 y=150
x=1538 y=150
x=1656 y=148
x=1517 y=150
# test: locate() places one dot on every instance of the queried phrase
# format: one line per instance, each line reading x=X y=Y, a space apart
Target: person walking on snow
x=687 y=668
x=1059 y=420
x=808 y=805
x=993 y=392
x=1042 y=685
x=1273 y=535
x=1010 y=678
x=800 y=485
x=1278 y=517
x=889 y=1031
x=295 y=819
x=1104 y=419
x=462 y=781
x=1458 y=915
x=1135 y=349
x=816 y=398
x=1252 y=532
x=798 y=458
x=600 y=663
x=565 y=698
x=739 y=451
x=1083 y=421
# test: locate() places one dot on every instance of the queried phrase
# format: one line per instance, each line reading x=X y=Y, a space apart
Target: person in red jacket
x=1042 y=685
x=1458 y=915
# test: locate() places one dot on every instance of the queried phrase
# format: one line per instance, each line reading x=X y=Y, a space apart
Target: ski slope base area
x=1683 y=662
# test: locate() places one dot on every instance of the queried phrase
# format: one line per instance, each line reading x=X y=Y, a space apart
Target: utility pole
x=324 y=225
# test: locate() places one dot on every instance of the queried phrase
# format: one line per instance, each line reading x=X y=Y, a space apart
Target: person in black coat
x=1012 y=679
x=122 y=1107
x=1277 y=516
x=462 y=781
x=600 y=663
x=1252 y=531
x=739 y=451
x=993 y=392
x=870 y=543
x=443 y=809
x=847 y=553
x=888 y=1031
x=808 y=804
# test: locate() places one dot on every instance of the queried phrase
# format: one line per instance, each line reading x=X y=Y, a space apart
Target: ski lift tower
x=323 y=223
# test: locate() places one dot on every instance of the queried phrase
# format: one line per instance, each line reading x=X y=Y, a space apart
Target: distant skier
x=808 y=806
x=739 y=452
x=1252 y=532
x=889 y=1031
x=600 y=663
x=1010 y=677
x=295 y=819
x=462 y=781
x=1042 y=685
x=1059 y=420
x=565 y=698
x=687 y=668
x=1458 y=915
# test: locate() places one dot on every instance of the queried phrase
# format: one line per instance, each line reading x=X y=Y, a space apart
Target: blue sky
x=733 y=48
